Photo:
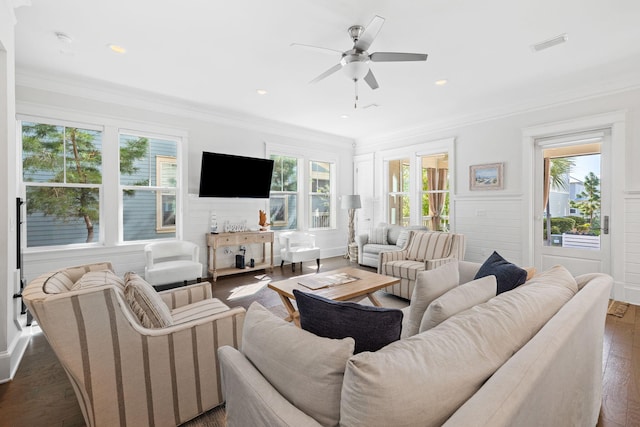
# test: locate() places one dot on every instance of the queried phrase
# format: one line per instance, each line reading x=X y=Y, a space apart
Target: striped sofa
x=425 y=250
x=122 y=372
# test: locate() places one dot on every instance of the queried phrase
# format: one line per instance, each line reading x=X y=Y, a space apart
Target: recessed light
x=441 y=82
x=117 y=48
x=261 y=92
x=344 y=116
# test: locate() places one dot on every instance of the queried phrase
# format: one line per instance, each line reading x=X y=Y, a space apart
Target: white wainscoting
x=491 y=223
x=632 y=248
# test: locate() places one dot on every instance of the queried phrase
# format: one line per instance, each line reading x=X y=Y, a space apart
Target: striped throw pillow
x=57 y=283
x=98 y=278
x=146 y=303
x=378 y=236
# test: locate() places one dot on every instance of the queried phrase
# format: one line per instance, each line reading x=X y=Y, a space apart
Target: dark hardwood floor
x=41 y=395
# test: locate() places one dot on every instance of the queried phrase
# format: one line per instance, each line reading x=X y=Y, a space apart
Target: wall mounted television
x=226 y=175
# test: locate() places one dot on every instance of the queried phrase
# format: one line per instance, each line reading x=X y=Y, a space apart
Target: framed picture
x=279 y=210
x=486 y=177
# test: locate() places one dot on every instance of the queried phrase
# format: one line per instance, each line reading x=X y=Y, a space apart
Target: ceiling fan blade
x=371 y=80
x=327 y=73
x=397 y=56
x=317 y=48
x=370 y=33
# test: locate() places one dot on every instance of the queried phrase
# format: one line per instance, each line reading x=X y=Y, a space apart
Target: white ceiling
x=216 y=54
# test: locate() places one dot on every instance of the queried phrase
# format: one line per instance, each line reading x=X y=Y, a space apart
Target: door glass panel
x=572 y=196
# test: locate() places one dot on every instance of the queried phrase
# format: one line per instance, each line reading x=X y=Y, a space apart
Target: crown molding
x=106 y=92
x=630 y=83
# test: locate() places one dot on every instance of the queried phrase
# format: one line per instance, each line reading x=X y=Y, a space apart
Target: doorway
x=572 y=201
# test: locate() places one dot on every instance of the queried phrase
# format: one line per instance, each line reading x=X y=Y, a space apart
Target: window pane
x=283 y=211
x=398 y=187
x=320 y=211
x=435 y=191
x=141 y=216
x=138 y=158
x=285 y=173
x=399 y=210
x=61 y=154
x=62 y=215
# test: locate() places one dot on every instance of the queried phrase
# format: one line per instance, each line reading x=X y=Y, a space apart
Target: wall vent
x=550 y=43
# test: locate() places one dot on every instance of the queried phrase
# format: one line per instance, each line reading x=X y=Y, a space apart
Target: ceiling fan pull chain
x=355 y=104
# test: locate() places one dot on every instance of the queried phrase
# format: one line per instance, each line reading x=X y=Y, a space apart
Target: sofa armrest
x=184 y=295
x=388 y=256
x=250 y=399
x=361 y=240
x=431 y=264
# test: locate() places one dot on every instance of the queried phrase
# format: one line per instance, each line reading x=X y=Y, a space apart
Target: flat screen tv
x=226 y=175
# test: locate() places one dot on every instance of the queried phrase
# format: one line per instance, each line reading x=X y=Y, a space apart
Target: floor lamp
x=351 y=203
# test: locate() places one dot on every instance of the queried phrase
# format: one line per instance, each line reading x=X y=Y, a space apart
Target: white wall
x=494 y=220
x=206 y=131
x=12 y=342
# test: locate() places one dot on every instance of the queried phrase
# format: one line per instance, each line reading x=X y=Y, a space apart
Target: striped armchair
x=425 y=250
x=122 y=372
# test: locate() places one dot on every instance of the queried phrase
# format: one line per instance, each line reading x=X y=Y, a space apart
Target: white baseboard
x=10 y=359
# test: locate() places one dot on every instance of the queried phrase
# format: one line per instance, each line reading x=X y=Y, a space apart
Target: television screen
x=226 y=175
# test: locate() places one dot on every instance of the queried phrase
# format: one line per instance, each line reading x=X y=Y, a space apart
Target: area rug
x=617 y=308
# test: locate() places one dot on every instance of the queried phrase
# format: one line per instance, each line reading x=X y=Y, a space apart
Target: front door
x=572 y=202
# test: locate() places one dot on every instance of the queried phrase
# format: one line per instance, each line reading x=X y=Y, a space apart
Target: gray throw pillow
x=371 y=327
x=378 y=236
x=508 y=275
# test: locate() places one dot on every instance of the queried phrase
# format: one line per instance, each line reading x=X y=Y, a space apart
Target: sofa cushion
x=507 y=274
x=57 y=282
x=429 y=245
x=306 y=369
x=376 y=249
x=378 y=235
x=430 y=284
x=371 y=327
x=146 y=303
x=443 y=367
x=94 y=279
x=403 y=269
x=458 y=299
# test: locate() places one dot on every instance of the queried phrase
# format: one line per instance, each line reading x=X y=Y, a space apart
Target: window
x=398 y=186
x=435 y=191
x=320 y=194
x=62 y=174
x=148 y=179
x=283 y=200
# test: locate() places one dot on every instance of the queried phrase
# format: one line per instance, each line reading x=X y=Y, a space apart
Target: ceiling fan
x=355 y=61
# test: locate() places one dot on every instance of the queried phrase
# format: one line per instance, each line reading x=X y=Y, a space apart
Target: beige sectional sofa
x=531 y=356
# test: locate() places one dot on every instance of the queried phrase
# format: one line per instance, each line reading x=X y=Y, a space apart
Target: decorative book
x=318 y=282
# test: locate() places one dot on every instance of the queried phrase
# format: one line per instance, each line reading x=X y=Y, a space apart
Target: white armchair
x=298 y=247
x=172 y=262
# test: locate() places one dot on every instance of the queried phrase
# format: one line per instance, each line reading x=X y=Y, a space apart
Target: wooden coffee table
x=365 y=285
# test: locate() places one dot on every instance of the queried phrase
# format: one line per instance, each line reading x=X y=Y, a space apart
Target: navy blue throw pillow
x=508 y=275
x=371 y=327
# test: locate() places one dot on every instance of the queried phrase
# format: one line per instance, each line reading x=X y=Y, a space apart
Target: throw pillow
x=371 y=327
x=146 y=303
x=403 y=237
x=306 y=369
x=378 y=236
x=98 y=278
x=507 y=274
x=57 y=282
x=430 y=284
x=458 y=299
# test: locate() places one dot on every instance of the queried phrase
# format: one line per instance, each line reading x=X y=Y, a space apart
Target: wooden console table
x=244 y=238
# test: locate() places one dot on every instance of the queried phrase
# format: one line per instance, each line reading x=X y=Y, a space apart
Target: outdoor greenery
x=589 y=199
x=67 y=155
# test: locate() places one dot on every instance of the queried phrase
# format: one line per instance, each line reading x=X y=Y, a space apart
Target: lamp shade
x=351 y=202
